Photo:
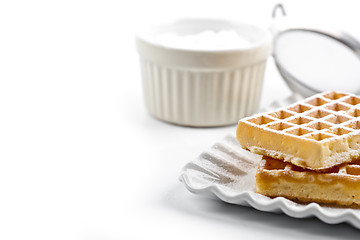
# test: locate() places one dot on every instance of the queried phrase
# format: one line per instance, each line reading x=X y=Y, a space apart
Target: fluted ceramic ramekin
x=203 y=88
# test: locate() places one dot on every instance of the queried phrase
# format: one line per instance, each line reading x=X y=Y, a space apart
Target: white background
x=80 y=158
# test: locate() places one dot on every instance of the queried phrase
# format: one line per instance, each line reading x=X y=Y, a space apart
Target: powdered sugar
x=204 y=40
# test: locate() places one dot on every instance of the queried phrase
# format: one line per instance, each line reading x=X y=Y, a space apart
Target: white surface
x=226 y=171
x=80 y=157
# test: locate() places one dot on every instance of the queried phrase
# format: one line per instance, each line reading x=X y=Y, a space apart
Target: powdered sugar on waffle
x=330 y=118
x=320 y=117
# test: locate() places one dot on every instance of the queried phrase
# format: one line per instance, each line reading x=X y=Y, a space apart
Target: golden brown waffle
x=339 y=185
x=317 y=133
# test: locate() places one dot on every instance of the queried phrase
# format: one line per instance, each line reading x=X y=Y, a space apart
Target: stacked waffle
x=310 y=149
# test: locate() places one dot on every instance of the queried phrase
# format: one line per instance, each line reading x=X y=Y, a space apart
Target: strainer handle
x=278 y=7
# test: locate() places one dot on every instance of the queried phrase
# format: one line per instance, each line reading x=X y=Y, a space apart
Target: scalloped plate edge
x=266 y=204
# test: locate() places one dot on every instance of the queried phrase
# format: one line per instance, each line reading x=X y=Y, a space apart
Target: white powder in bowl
x=205 y=40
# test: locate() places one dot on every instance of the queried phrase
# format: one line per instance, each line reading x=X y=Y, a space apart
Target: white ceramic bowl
x=201 y=87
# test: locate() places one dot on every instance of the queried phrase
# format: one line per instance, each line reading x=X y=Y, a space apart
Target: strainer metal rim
x=294 y=83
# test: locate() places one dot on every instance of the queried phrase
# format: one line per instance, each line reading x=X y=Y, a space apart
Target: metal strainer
x=314 y=60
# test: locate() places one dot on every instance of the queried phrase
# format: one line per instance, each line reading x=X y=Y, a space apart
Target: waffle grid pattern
x=321 y=117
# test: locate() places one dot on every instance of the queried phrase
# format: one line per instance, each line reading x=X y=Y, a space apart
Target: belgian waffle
x=317 y=133
x=339 y=185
